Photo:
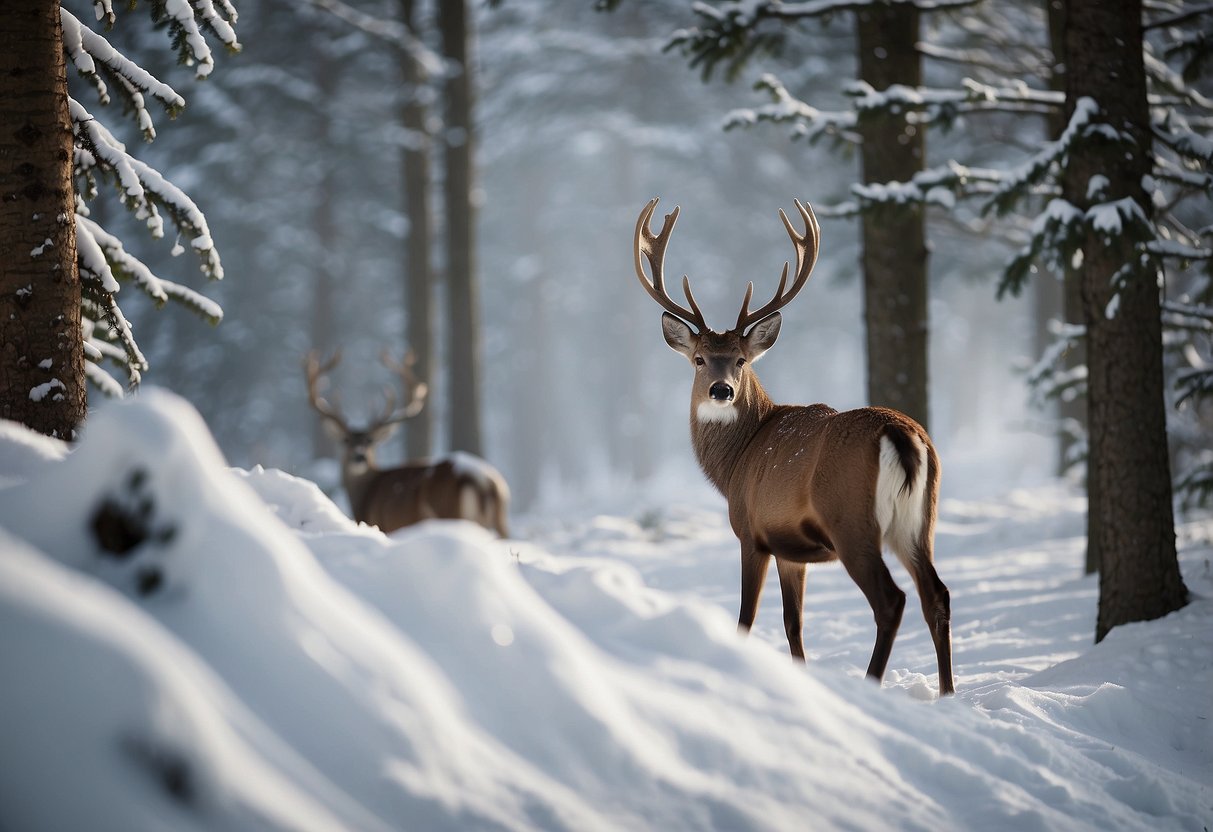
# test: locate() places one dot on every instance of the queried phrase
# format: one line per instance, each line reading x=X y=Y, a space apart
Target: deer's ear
x=762 y=335
x=678 y=335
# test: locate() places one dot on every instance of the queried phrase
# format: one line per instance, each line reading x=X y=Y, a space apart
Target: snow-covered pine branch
x=1175 y=250
x=940 y=105
x=808 y=122
x=1167 y=80
x=1187 y=143
x=940 y=186
x=119 y=263
x=188 y=19
x=1018 y=181
x=142 y=188
x=748 y=12
x=102 y=258
x=89 y=52
x=732 y=32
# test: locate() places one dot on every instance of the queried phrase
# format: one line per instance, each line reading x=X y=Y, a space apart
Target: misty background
x=293 y=149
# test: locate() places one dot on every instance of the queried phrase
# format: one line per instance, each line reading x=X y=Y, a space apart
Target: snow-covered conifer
x=103 y=260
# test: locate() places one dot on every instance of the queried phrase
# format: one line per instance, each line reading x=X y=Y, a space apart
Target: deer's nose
x=721 y=392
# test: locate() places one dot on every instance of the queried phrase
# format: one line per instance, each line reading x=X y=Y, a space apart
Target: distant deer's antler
x=315 y=370
x=414 y=388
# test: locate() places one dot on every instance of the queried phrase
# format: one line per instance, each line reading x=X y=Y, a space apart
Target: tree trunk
x=1072 y=412
x=463 y=336
x=41 y=344
x=419 y=293
x=535 y=434
x=894 y=255
x=1130 y=518
x=324 y=226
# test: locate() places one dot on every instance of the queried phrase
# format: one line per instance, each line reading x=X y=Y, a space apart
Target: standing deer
x=806 y=484
x=459 y=486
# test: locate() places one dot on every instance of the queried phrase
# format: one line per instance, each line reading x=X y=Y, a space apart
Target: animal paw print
x=123 y=525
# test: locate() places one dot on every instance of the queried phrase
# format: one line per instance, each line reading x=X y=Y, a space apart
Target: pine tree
x=68 y=151
x=463 y=292
x=419 y=278
x=1101 y=178
x=892 y=148
x=41 y=344
x=1130 y=520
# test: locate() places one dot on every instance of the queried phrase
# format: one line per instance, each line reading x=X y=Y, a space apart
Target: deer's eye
x=699 y=360
x=740 y=362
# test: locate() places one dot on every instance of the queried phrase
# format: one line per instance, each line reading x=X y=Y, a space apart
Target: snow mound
x=22 y=451
x=185 y=656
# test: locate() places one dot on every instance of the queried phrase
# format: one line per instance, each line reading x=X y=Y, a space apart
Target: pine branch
x=1031 y=172
x=89 y=52
x=186 y=22
x=940 y=105
x=124 y=266
x=809 y=122
x=142 y=188
x=732 y=33
x=1179 y=17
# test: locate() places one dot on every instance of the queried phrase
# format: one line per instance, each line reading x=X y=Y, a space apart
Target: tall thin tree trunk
x=535 y=437
x=1130 y=519
x=323 y=298
x=324 y=226
x=463 y=335
x=894 y=238
x=419 y=293
x=41 y=344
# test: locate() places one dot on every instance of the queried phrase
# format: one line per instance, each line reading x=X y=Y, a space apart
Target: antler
x=414 y=387
x=314 y=370
x=653 y=248
x=806 y=257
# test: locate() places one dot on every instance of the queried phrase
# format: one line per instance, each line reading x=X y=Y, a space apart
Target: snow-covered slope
x=189 y=647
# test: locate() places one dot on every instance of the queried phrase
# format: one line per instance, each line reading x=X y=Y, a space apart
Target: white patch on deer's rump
x=899 y=510
x=720 y=413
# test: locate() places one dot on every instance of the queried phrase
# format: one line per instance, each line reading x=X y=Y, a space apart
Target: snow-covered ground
x=188 y=647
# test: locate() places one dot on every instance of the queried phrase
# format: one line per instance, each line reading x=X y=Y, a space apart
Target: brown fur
x=804 y=483
x=397 y=497
x=801 y=485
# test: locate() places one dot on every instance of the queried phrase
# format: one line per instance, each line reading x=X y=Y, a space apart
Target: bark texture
x=894 y=245
x=41 y=345
x=1130 y=520
x=463 y=329
x=419 y=294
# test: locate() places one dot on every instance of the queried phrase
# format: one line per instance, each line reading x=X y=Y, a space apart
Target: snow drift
x=189 y=647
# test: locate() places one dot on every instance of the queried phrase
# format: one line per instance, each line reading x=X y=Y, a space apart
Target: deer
x=458 y=486
x=804 y=483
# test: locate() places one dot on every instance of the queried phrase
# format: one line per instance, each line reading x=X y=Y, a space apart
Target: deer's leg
x=937 y=610
x=867 y=568
x=791 y=584
x=754 y=564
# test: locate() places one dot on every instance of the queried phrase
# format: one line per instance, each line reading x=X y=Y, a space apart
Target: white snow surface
x=188 y=647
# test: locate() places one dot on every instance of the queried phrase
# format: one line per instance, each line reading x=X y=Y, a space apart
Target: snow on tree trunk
x=1130 y=520
x=463 y=330
x=894 y=237
x=41 y=343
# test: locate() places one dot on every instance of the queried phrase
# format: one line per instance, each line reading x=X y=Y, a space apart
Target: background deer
x=804 y=483
x=459 y=486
